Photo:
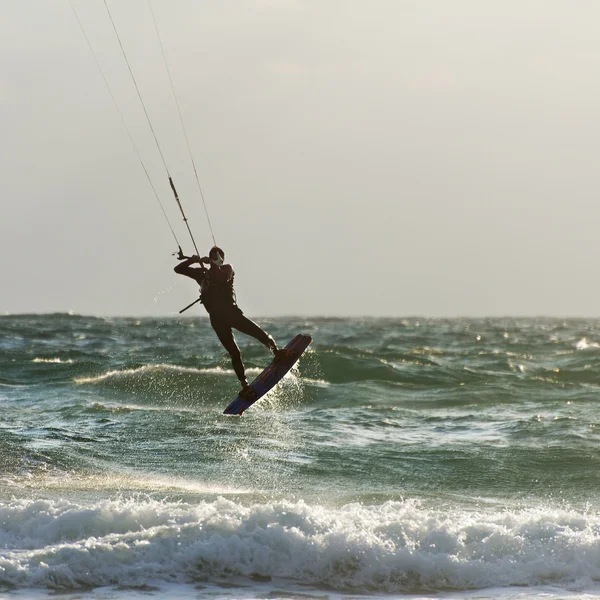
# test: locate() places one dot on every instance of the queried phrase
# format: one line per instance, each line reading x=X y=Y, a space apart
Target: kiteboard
x=271 y=376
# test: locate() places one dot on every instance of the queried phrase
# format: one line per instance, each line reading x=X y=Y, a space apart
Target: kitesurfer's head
x=216 y=256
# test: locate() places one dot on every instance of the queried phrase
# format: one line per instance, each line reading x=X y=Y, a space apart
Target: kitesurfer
x=218 y=296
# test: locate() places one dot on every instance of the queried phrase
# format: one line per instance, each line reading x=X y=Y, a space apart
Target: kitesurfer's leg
x=245 y=325
x=225 y=335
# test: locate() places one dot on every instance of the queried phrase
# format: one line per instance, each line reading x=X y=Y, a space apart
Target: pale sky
x=381 y=157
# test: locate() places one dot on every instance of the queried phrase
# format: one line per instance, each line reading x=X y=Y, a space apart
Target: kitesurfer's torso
x=216 y=290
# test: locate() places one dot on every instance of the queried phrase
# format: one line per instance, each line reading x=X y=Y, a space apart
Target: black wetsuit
x=218 y=297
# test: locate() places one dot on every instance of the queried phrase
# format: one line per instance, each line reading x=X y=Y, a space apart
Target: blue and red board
x=272 y=375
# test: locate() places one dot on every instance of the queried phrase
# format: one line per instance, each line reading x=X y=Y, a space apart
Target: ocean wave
x=583 y=344
x=154 y=369
x=14 y=385
x=142 y=483
x=56 y=360
x=184 y=386
x=397 y=547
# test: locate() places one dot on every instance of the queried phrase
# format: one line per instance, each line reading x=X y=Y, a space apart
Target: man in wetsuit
x=218 y=296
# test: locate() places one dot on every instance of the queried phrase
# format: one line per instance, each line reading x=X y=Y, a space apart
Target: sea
x=401 y=458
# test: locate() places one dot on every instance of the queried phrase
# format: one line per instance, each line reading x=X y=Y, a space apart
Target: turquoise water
x=437 y=458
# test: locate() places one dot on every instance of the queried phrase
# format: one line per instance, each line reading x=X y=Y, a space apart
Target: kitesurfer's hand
x=204 y=260
x=195 y=259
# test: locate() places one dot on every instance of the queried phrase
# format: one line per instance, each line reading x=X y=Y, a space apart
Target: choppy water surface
x=453 y=458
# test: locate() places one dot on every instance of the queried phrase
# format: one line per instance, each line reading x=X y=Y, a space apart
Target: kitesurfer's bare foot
x=247 y=392
x=279 y=354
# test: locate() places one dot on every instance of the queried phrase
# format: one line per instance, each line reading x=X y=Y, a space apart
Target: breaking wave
x=394 y=547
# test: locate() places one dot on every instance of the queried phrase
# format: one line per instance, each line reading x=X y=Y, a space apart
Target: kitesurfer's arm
x=186 y=269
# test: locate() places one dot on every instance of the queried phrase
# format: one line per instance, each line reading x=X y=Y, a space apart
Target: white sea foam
x=159 y=368
x=583 y=344
x=316 y=382
x=392 y=548
x=56 y=360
